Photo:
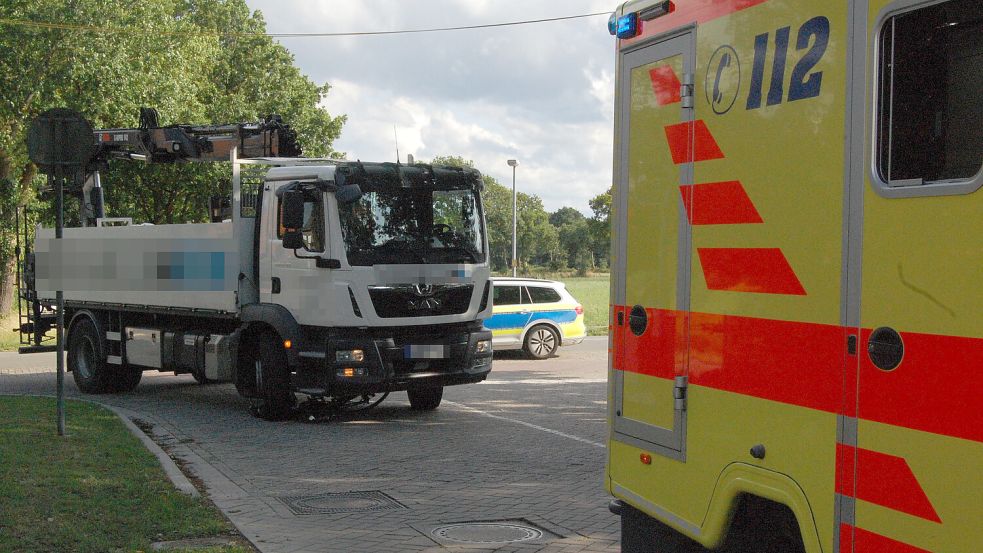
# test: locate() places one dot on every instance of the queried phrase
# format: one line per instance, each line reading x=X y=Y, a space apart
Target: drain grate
x=478 y=533
x=333 y=503
x=487 y=532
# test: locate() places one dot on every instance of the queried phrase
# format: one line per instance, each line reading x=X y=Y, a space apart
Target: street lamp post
x=513 y=164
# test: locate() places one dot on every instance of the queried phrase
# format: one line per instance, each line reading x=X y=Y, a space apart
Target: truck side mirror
x=349 y=193
x=292 y=219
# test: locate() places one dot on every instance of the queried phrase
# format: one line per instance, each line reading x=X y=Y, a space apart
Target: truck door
x=292 y=281
x=651 y=282
x=915 y=439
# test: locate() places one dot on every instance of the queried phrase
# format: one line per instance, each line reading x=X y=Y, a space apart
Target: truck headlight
x=350 y=356
x=484 y=346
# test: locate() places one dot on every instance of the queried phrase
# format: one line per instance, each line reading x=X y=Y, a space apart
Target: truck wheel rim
x=543 y=342
x=84 y=359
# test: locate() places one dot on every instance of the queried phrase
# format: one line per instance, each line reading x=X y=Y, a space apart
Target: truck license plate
x=424 y=352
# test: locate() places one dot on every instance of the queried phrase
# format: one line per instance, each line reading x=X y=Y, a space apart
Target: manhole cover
x=486 y=532
x=348 y=502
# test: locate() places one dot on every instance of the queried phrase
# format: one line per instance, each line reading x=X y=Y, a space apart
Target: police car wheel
x=541 y=342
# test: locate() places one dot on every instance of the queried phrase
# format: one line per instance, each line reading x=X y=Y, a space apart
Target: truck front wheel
x=276 y=399
x=87 y=358
x=425 y=399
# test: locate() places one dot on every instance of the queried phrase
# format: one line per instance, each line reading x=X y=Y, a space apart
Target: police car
x=535 y=315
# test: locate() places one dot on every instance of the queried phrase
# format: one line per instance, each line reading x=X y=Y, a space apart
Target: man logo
x=723 y=80
x=424 y=290
x=427 y=304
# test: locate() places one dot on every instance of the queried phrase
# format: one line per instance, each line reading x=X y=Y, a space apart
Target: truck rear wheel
x=276 y=399
x=425 y=399
x=87 y=359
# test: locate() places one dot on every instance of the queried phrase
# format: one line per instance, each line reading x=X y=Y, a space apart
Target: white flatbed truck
x=332 y=279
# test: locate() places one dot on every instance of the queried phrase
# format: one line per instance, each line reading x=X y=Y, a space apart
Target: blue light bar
x=613 y=24
x=628 y=26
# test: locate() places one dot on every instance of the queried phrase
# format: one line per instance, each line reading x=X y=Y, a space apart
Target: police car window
x=506 y=295
x=543 y=295
x=930 y=111
x=525 y=295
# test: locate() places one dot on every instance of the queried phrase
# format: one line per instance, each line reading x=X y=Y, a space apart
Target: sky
x=542 y=94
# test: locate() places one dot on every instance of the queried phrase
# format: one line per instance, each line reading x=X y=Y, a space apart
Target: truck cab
x=390 y=280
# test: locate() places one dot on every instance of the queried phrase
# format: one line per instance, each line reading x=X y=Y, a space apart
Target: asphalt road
x=512 y=464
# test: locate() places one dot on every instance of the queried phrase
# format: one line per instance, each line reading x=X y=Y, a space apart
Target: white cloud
x=542 y=94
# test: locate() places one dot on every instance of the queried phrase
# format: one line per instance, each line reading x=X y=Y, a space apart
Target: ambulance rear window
x=930 y=110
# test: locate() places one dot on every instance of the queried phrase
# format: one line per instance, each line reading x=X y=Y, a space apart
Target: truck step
x=37 y=349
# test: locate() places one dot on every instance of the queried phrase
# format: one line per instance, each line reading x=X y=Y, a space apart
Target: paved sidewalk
x=526 y=447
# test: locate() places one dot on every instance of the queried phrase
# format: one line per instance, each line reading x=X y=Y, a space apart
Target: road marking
x=524 y=423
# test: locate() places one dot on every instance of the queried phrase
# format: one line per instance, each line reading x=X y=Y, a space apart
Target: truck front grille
x=411 y=300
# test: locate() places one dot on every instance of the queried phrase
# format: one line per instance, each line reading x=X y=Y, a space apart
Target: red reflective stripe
x=759 y=270
x=660 y=350
x=846 y=538
x=689 y=11
x=790 y=362
x=884 y=480
x=719 y=203
x=704 y=146
x=937 y=388
x=869 y=542
x=666 y=85
x=724 y=347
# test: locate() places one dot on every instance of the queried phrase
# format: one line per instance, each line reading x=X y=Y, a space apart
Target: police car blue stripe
x=503 y=321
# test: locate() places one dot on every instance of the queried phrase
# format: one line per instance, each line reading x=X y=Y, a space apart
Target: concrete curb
x=171 y=469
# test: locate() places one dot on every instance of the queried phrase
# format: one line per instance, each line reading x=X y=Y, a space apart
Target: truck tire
x=425 y=399
x=87 y=358
x=200 y=377
x=276 y=399
x=541 y=342
x=125 y=379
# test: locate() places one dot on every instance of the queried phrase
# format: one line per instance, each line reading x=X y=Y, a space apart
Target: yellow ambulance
x=797 y=316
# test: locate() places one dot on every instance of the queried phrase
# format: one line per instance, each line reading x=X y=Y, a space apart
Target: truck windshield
x=413 y=225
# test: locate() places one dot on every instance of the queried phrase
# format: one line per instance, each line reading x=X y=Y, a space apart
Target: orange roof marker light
x=629 y=25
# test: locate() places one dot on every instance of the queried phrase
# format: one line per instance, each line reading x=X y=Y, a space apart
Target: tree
x=575 y=242
x=599 y=228
x=565 y=215
x=537 y=239
x=190 y=59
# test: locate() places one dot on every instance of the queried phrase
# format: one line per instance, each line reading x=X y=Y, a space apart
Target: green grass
x=593 y=293
x=95 y=490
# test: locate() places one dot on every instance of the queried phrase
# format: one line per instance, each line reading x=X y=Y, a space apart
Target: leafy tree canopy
x=189 y=59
